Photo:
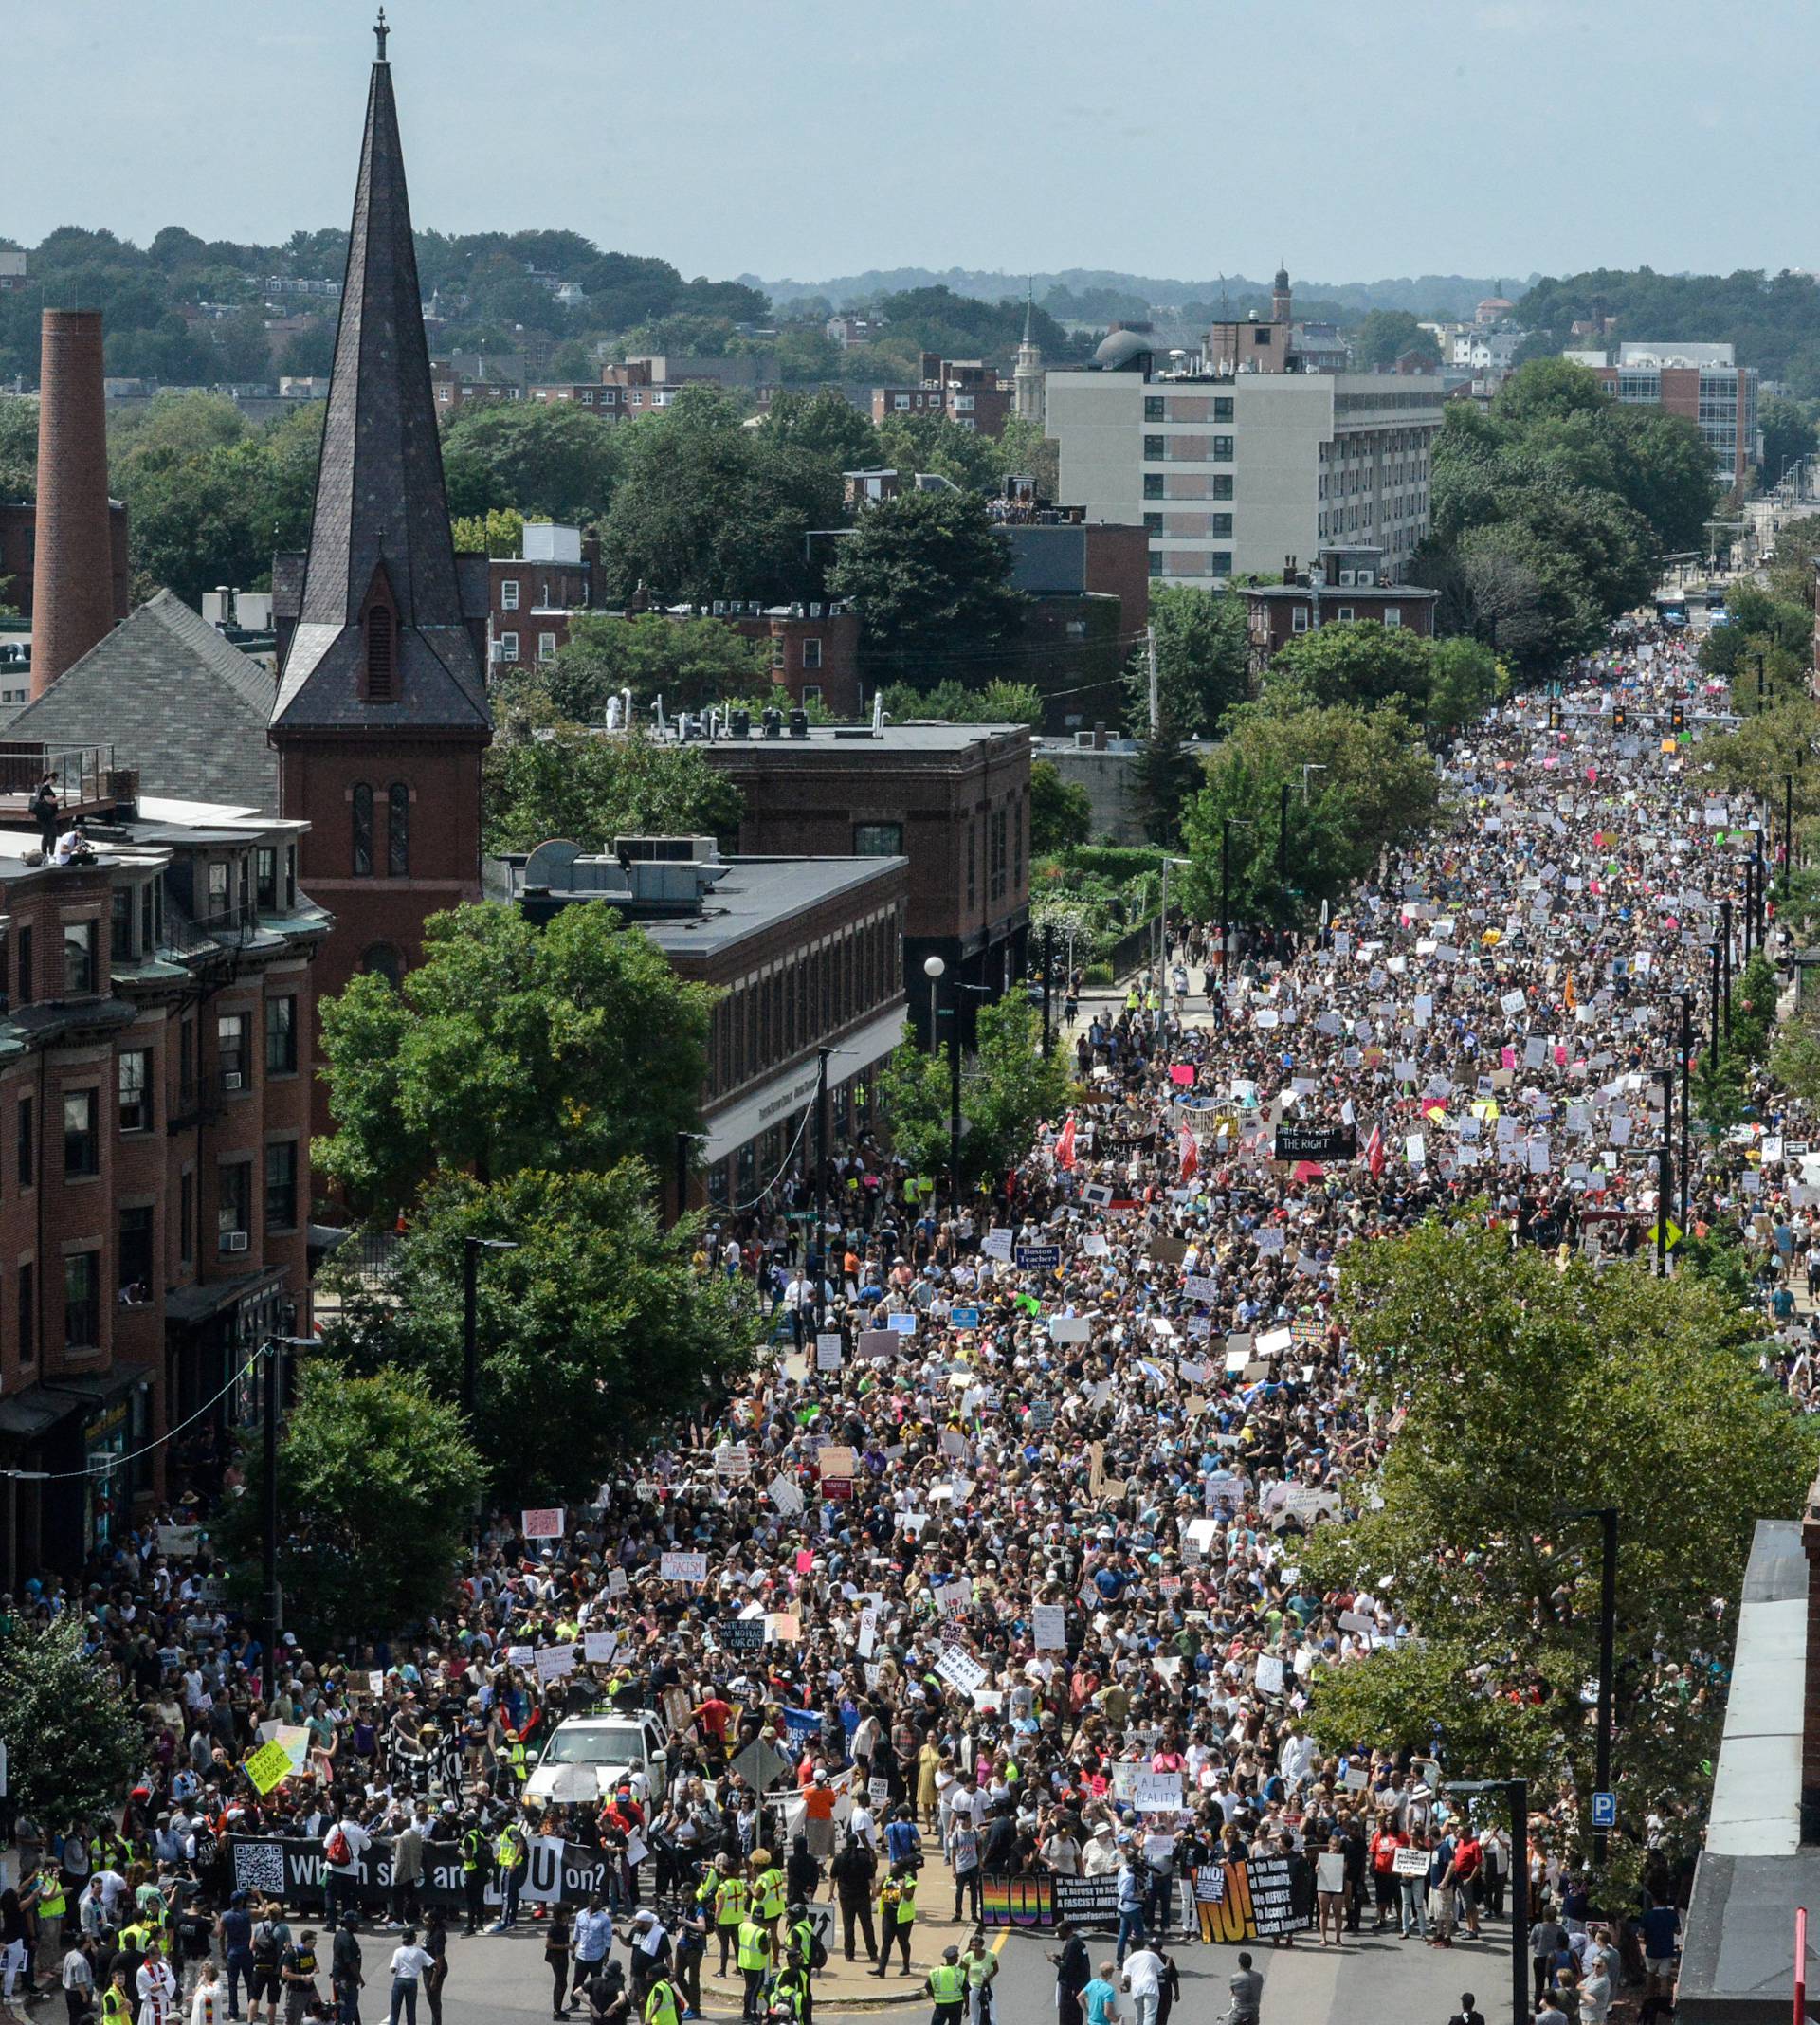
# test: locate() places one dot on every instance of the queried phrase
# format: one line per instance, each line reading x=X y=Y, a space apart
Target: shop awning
x=783 y=1095
x=185 y=1306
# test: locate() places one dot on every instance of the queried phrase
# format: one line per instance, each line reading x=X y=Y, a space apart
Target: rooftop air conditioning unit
x=1083 y=741
x=234 y=1241
x=232 y=1080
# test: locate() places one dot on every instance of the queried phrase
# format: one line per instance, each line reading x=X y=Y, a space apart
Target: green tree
x=932 y=578
x=1383 y=337
x=1202 y=664
x=1371 y=784
x=498 y=532
x=543 y=778
x=73 y=1739
x=826 y=426
x=510 y=1046
x=708 y=509
x=689 y=662
x=552 y=461
x=1060 y=811
x=1755 y=623
x=1006 y=1090
x=1355 y=660
x=18 y=448
x=1476 y=1537
x=597 y=1324
x=999 y=703
x=1463 y=683
x=352 y=1564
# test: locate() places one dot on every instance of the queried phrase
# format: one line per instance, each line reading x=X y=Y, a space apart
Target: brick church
x=381 y=717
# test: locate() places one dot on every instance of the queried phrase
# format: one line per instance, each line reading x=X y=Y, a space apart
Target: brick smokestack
x=73 y=569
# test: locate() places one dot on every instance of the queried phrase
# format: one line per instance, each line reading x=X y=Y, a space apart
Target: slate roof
x=380 y=494
x=175 y=701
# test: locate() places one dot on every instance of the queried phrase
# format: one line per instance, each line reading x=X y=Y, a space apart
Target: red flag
x=1064 y=1145
x=1189 y=1149
x=1374 y=1152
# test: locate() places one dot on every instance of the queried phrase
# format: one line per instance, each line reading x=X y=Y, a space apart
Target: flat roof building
x=1703 y=382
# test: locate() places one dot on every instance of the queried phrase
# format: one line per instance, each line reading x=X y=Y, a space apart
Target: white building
x=1232 y=473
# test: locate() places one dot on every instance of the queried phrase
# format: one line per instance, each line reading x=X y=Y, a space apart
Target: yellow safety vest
x=115 y=2004
x=510 y=1849
x=517 y=1765
x=947 y=1983
x=752 y=1945
x=730 y=1902
x=907 y=1901
x=770 y=1889
x=50 y=1900
x=659 y=2006
x=802 y=1942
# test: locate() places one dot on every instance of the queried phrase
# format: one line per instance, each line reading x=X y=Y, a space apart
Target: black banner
x=1248 y=1900
x=1316 y=1143
x=293 y=1872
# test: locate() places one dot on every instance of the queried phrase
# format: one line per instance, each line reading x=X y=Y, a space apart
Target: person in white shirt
x=409 y=1962
x=158 y=1990
x=1143 y=1981
x=79 y=1974
x=205 y=2007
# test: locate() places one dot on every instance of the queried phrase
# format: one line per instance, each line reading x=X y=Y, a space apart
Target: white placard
x=682 y=1567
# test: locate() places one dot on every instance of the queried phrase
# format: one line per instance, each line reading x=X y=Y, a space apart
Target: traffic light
x=1619 y=718
x=1677 y=720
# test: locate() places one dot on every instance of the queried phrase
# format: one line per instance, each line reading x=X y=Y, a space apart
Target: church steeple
x=381 y=637
x=1027 y=376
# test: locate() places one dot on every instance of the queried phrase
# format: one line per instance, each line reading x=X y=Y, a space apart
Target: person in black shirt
x=1466 y=2015
x=1073 y=1971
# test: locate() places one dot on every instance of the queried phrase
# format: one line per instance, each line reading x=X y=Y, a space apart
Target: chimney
x=73 y=568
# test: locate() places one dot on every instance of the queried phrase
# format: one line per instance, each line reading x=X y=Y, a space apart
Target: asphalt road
x=495 y=1976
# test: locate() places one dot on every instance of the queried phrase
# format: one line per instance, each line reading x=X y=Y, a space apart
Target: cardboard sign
x=544 y=1525
x=267 y=1766
x=960 y=1669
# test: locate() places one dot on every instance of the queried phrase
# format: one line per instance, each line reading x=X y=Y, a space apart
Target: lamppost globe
x=933 y=967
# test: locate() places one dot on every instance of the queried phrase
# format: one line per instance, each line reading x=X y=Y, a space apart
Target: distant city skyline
x=808 y=138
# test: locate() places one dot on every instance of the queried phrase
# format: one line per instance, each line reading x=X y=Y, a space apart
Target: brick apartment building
x=1343 y=585
x=1703 y=382
x=805 y=953
x=968 y=392
x=154 y=1120
x=954 y=799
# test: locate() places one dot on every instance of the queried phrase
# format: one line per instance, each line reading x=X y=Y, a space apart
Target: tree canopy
x=547 y=461
x=689 y=662
x=1006 y=1090
x=1202 y=661
x=543 y=777
x=1060 y=811
x=570 y=1045
x=73 y=1738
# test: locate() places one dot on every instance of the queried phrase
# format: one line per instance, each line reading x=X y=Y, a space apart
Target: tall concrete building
x=381 y=716
x=73 y=589
x=1703 y=382
x=1246 y=458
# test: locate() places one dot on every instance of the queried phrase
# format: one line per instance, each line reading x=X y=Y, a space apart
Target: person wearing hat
x=647 y=1946
x=346 y=1964
x=755 y=1958
x=473 y=1847
x=946 y=1985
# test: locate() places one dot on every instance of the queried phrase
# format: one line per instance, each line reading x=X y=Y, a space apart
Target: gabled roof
x=379 y=496
x=175 y=701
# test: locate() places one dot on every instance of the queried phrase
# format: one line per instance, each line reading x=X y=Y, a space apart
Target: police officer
x=947 y=1988
x=473 y=1871
x=754 y=1960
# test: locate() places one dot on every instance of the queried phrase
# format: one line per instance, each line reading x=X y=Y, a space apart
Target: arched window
x=398 y=830
x=362 y=831
x=381 y=960
x=379 y=643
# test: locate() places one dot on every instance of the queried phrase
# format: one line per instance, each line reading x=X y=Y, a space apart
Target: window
x=281 y=1186
x=25 y=1157
x=973 y=860
x=398 y=830
x=81 y=1145
x=878 y=840
x=1222 y=408
x=121 y=915
x=187 y=1217
x=233 y=1204
x=135 y=1074
x=1153 y=523
x=811 y=653
x=509 y=593
x=290 y=878
x=266 y=878
x=1344 y=614
x=1393 y=614
x=1220 y=524
x=901 y=401
x=133 y=1256
x=280 y=1036
x=812 y=692
x=379 y=644
x=546 y=647
x=231 y=1049
x=1220 y=561
x=508 y=647
x=1222 y=486
x=1298 y=619
x=217 y=890
x=81 y=1301
x=381 y=960
x=1222 y=450
x=777 y=660
x=1152 y=484
x=78 y=959
x=1153 y=408
x=1155 y=448
x=362 y=831
x=27 y=1313
x=1260 y=334
x=1155 y=562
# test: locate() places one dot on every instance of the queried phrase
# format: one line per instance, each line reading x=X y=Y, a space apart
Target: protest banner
x=682 y=1567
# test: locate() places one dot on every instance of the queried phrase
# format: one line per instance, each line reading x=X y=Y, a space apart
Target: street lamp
x=471 y=1249
x=933 y=968
x=1162 y=946
x=1515 y=1792
x=1228 y=825
x=274 y=1349
x=952 y=1009
x=1607 y=1517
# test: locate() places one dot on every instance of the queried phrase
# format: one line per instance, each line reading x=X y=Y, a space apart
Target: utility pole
x=953 y=1102
x=1162 y=954
x=1282 y=831
x=819 y=1255
x=1516 y=1793
x=1664 y=1169
x=1608 y=1518
x=1228 y=825
x=471 y=1249
x=1713 y=995
x=268 y=1596
x=1725 y=942
x=1150 y=664
x=1049 y=985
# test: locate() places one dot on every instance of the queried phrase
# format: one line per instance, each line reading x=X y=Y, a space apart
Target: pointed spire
x=1029 y=305
x=379 y=532
x=380 y=32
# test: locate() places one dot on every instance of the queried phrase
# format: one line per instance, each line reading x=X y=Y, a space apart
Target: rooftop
x=858 y=741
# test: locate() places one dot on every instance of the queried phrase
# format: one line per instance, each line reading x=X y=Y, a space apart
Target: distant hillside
x=1425 y=294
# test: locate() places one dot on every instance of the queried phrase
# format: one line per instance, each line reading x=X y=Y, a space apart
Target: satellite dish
x=551 y=864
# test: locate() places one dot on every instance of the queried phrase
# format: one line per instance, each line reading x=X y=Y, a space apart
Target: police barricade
x=1037 y=1900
